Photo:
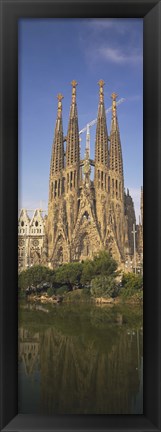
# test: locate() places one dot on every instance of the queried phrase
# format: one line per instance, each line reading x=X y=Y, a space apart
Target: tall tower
x=56 y=181
x=57 y=157
x=131 y=220
x=116 y=181
x=101 y=163
x=72 y=163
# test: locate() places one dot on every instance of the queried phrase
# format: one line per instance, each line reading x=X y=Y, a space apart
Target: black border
x=150 y=11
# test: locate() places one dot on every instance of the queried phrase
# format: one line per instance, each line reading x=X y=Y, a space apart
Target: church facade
x=85 y=215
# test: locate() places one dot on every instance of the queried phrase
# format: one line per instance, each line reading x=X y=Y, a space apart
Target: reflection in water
x=80 y=360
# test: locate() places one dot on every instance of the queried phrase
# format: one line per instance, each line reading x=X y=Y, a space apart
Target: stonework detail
x=31 y=239
x=85 y=215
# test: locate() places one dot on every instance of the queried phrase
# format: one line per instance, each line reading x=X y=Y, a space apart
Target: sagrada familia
x=84 y=215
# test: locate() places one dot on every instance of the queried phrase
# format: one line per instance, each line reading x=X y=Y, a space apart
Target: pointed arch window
x=109 y=184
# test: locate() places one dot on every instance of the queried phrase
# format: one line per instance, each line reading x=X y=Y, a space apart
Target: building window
x=98 y=178
x=112 y=188
x=109 y=184
x=101 y=179
x=71 y=180
x=59 y=187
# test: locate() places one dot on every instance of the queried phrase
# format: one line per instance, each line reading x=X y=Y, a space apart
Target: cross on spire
x=101 y=83
x=74 y=83
x=114 y=96
x=60 y=97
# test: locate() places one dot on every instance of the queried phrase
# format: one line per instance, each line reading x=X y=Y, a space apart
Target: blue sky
x=53 y=52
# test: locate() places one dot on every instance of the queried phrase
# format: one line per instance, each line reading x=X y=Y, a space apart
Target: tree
x=104 y=264
x=34 y=276
x=103 y=286
x=87 y=272
x=131 y=284
x=132 y=281
x=69 y=274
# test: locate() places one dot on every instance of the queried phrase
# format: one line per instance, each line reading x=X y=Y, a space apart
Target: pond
x=80 y=359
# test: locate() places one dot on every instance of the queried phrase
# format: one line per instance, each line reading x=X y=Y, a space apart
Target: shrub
x=62 y=290
x=87 y=272
x=132 y=280
x=50 y=292
x=103 y=286
x=131 y=284
x=34 y=276
x=104 y=264
x=68 y=274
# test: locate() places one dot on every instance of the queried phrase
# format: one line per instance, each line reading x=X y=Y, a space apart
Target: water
x=80 y=359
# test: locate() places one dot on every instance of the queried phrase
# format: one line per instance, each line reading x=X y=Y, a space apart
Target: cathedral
x=85 y=214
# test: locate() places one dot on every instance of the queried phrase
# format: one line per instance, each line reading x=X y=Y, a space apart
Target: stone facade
x=84 y=215
x=31 y=239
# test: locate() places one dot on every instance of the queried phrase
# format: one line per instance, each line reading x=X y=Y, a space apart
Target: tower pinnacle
x=101 y=94
x=116 y=163
x=101 y=146
x=114 y=96
x=57 y=159
x=72 y=148
x=60 y=97
x=74 y=84
x=114 y=113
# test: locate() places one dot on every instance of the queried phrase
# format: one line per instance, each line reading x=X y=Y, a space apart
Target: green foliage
x=87 y=272
x=132 y=280
x=69 y=274
x=50 y=292
x=34 y=276
x=62 y=290
x=131 y=284
x=81 y=295
x=104 y=264
x=103 y=286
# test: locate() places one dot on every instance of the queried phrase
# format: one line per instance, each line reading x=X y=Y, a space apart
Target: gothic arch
x=60 y=252
x=35 y=257
x=86 y=240
x=111 y=246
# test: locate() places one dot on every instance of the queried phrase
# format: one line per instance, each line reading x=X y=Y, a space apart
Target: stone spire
x=101 y=164
x=101 y=144
x=72 y=147
x=116 y=163
x=116 y=178
x=56 y=185
x=57 y=158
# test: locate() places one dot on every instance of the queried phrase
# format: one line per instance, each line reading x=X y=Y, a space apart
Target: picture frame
x=150 y=11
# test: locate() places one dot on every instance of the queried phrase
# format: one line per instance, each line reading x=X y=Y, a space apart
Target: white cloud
x=101 y=23
x=116 y=55
x=117 y=26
